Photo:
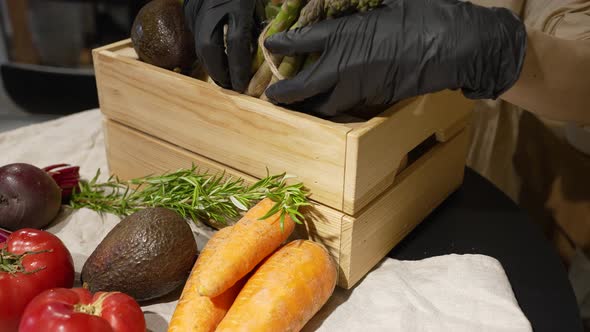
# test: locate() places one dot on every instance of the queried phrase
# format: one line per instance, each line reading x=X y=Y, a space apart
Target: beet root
x=29 y=197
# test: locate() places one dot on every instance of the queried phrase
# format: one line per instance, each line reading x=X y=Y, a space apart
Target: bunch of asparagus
x=295 y=14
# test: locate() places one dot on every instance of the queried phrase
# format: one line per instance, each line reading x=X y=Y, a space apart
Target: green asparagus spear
x=263 y=76
x=259 y=81
x=285 y=18
x=317 y=10
x=288 y=68
x=312 y=12
x=271 y=10
x=336 y=8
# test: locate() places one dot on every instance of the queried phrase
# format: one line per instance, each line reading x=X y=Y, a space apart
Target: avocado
x=147 y=255
x=160 y=36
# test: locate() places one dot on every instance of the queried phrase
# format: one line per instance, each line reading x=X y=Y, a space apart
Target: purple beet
x=29 y=197
x=66 y=177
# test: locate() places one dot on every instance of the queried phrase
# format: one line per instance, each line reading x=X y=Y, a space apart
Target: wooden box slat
x=357 y=243
x=345 y=164
x=363 y=201
x=374 y=151
x=416 y=192
x=224 y=126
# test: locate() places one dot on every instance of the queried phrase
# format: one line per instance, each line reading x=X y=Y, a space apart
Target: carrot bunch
x=246 y=279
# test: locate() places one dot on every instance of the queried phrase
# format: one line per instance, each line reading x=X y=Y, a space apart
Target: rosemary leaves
x=193 y=194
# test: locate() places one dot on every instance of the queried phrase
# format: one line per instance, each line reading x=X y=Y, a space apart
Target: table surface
x=475 y=219
x=479 y=219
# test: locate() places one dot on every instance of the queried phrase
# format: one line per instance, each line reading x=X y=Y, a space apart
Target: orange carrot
x=196 y=313
x=285 y=292
x=250 y=241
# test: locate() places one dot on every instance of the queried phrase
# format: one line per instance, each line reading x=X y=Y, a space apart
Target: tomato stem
x=94 y=308
x=88 y=309
x=13 y=263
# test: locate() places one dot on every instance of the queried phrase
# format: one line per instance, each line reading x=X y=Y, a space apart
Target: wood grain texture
x=365 y=195
x=375 y=150
x=386 y=221
x=346 y=162
x=132 y=154
x=116 y=47
x=239 y=131
x=356 y=243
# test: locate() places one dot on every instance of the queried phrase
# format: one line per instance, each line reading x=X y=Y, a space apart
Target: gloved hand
x=206 y=19
x=403 y=49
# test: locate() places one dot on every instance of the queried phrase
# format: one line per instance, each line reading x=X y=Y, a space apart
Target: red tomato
x=75 y=310
x=31 y=261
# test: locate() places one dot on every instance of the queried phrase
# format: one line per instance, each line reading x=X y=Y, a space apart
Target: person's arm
x=555 y=79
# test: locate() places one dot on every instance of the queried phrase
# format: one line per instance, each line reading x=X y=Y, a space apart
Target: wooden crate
x=345 y=165
x=158 y=120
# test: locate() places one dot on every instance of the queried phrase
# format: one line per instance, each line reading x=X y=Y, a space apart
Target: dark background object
x=39 y=89
x=37 y=77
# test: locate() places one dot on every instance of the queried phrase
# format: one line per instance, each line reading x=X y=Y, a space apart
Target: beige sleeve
x=556 y=74
x=514 y=5
x=530 y=159
x=495 y=126
x=568 y=19
x=563 y=19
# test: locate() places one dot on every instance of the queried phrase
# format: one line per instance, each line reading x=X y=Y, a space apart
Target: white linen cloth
x=445 y=293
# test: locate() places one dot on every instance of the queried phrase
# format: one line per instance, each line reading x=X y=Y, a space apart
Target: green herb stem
x=193 y=194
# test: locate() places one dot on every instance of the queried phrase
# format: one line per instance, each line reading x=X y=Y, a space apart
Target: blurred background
x=45 y=52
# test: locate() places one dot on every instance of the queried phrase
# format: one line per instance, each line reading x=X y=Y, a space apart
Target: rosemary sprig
x=193 y=194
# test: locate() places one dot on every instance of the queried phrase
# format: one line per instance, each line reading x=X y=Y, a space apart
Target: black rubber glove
x=404 y=49
x=206 y=19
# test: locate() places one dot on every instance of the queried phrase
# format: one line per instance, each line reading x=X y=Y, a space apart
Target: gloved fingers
x=309 y=39
x=309 y=82
x=239 y=42
x=330 y=104
x=191 y=8
x=211 y=50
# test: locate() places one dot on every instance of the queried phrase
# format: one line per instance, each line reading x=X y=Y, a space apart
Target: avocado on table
x=147 y=255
